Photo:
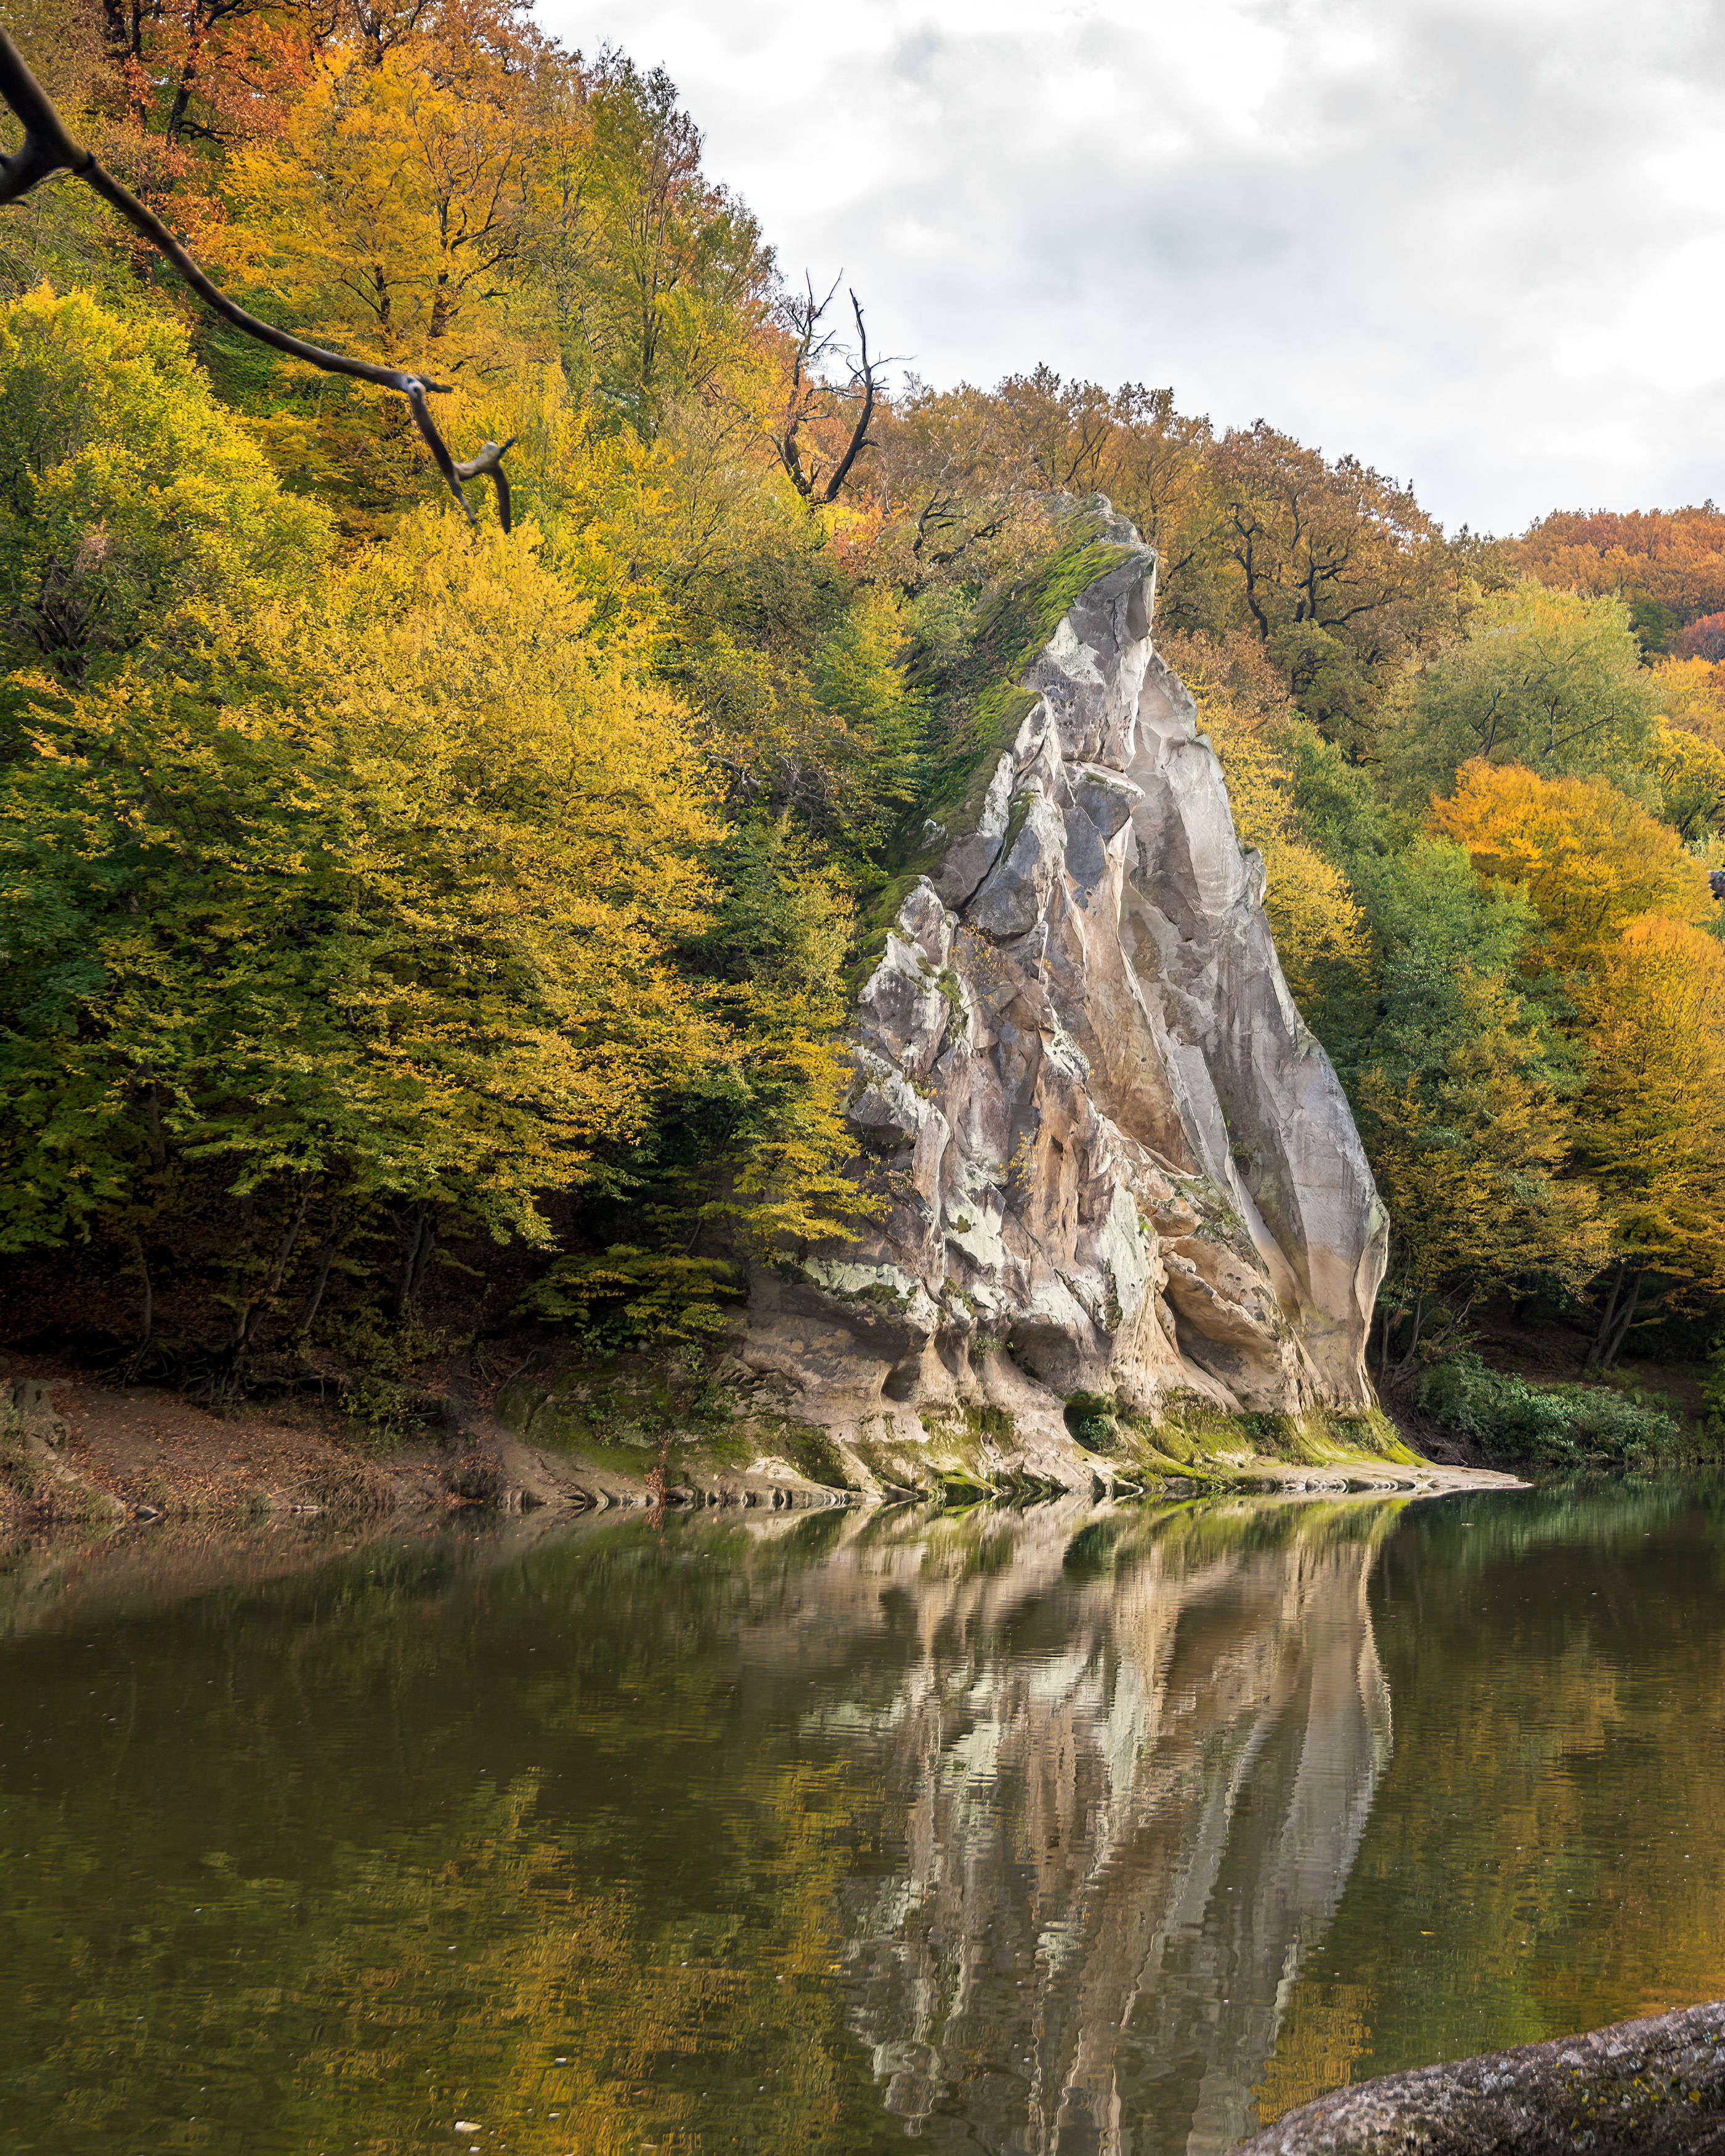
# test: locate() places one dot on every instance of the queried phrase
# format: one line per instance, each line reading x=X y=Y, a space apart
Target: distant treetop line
x=407 y=936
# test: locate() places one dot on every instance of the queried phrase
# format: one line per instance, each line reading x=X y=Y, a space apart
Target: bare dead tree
x=942 y=514
x=48 y=148
x=381 y=27
x=812 y=395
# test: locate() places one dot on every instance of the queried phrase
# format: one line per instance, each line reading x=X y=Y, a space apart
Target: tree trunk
x=188 y=84
x=146 y=1300
x=422 y=1232
x=320 y=1280
x=1385 y=1339
x=1406 y=1363
x=250 y=1315
x=152 y=1127
x=1614 y=1348
x=1596 y=1352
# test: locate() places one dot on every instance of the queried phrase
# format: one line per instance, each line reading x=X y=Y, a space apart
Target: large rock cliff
x=1110 y=1155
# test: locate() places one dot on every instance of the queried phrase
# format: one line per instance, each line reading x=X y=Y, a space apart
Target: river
x=1043 y=1831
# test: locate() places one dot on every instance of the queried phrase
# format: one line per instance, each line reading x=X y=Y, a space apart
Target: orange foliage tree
x=1588 y=860
x=1623 y=906
x=1673 y=560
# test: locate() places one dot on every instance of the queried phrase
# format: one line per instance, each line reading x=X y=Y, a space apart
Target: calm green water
x=1037 y=1832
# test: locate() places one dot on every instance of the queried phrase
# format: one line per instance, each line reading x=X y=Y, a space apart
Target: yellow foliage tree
x=1471 y=1162
x=395 y=203
x=391 y=215
x=1691 y=695
x=560 y=790
x=1690 y=771
x=1650 y=1121
x=1588 y=859
x=385 y=904
x=131 y=503
x=1313 y=914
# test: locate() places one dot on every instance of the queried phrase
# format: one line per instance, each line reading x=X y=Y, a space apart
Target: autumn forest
x=413 y=931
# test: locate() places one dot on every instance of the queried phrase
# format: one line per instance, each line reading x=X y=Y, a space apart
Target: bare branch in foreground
x=48 y=148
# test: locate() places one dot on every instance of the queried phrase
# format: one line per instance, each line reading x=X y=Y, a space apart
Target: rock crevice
x=1109 y=1154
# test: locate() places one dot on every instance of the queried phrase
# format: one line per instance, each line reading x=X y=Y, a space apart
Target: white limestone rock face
x=1112 y=1157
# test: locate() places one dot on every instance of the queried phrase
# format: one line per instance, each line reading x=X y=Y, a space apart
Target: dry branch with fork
x=48 y=147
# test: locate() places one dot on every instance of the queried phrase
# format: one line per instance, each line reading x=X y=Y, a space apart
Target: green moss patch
x=979 y=712
x=813 y=1453
x=1191 y=1439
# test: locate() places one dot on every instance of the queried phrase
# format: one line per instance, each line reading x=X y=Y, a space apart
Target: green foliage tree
x=1463 y=1097
x=374 y=905
x=660 y=276
x=131 y=503
x=1540 y=678
x=753 y=1142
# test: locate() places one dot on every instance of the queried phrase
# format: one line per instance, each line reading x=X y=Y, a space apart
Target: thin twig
x=48 y=148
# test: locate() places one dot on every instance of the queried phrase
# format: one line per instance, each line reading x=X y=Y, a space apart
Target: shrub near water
x=1516 y=1423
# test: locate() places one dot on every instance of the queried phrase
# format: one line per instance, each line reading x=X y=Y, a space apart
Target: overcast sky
x=1480 y=244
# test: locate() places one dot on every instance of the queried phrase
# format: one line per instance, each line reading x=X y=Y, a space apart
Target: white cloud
x=1480 y=243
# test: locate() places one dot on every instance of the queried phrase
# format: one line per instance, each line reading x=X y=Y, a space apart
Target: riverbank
x=76 y=1449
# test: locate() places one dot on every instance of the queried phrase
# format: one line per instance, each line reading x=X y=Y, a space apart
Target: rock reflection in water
x=1005 y=1831
x=1130 y=1803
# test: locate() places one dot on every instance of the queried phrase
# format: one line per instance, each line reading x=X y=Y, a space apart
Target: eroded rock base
x=74 y=1450
x=597 y=1430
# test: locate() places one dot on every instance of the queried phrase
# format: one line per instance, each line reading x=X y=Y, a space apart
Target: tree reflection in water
x=1047 y=1832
